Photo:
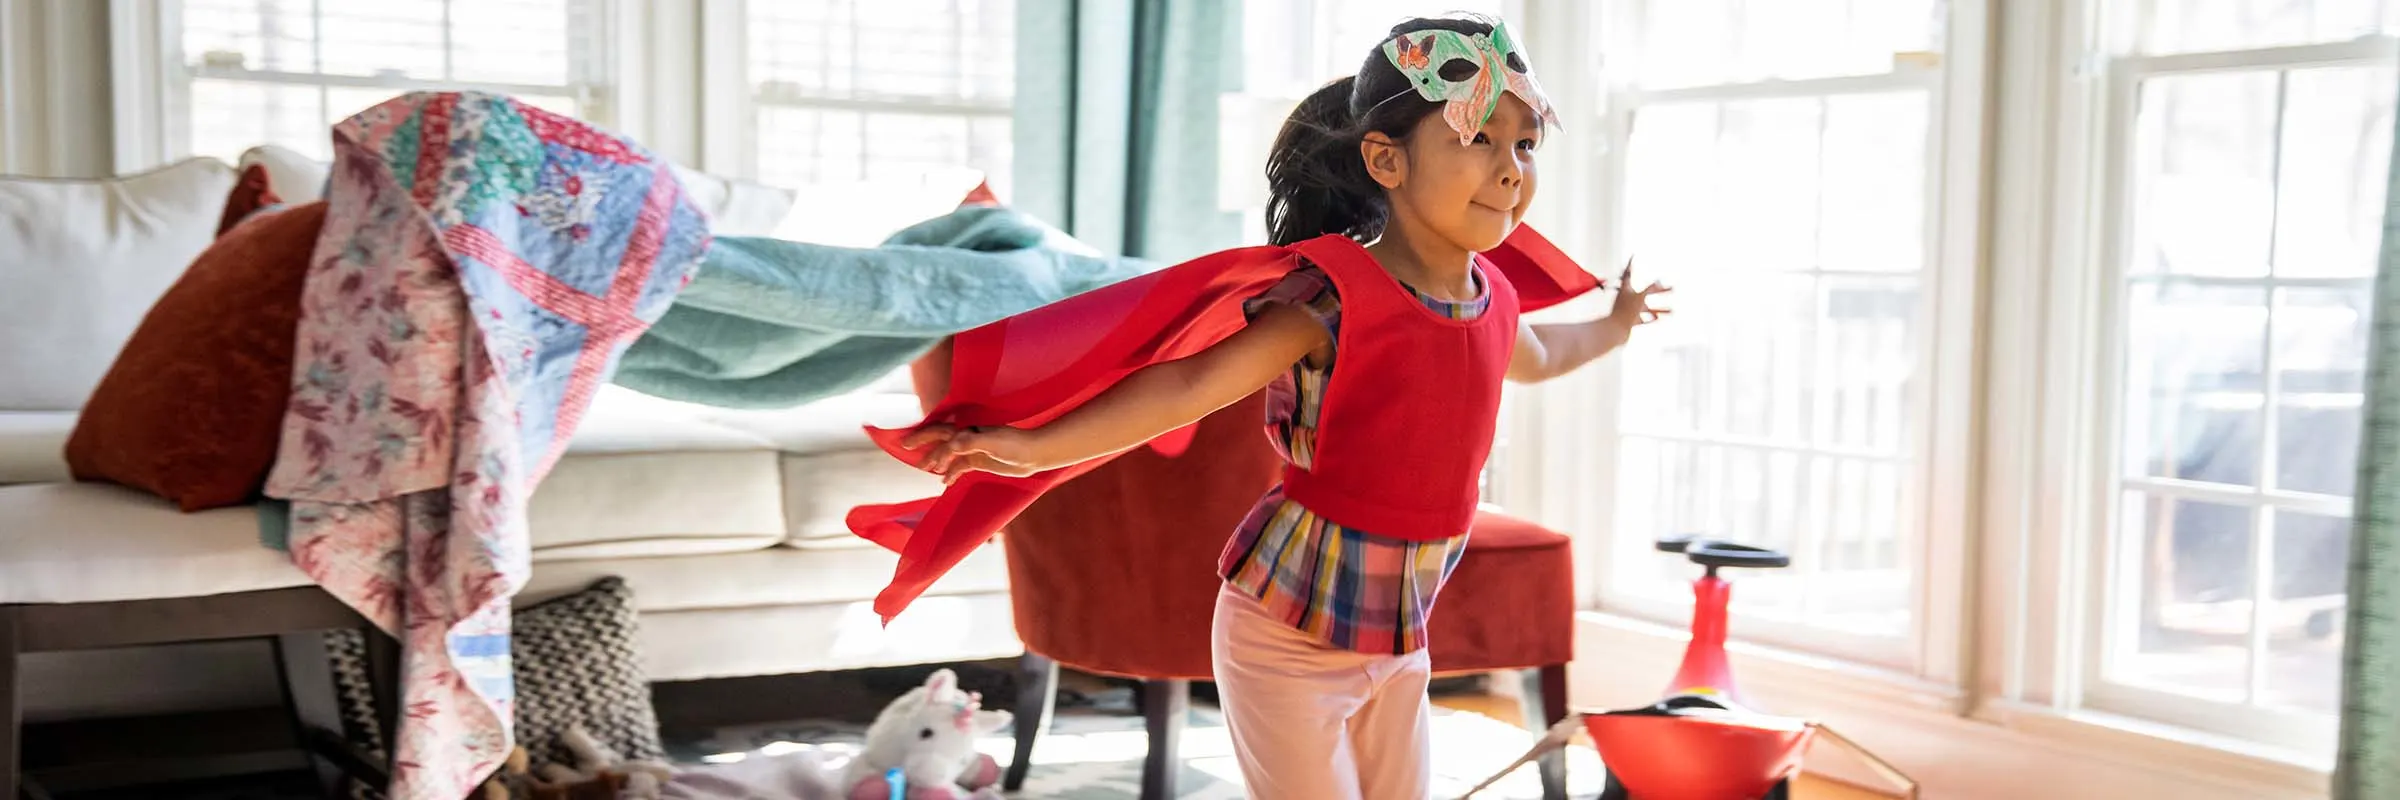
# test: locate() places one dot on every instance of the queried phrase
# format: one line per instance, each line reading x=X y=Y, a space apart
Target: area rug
x=1097 y=756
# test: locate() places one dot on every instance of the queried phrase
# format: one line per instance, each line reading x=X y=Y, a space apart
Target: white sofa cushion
x=833 y=425
x=736 y=207
x=819 y=489
x=780 y=640
x=651 y=477
x=33 y=445
x=678 y=502
x=829 y=464
x=294 y=177
x=86 y=543
x=771 y=577
x=864 y=213
x=83 y=261
x=621 y=420
x=642 y=477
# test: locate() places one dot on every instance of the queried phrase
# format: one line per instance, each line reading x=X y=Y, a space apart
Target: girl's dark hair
x=1316 y=182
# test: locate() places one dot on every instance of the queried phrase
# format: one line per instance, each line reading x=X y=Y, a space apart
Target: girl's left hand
x=957 y=451
x=1633 y=307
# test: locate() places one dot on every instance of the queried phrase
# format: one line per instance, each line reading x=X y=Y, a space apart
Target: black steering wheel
x=1713 y=553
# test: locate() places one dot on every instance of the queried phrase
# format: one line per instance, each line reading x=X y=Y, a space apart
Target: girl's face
x=1470 y=195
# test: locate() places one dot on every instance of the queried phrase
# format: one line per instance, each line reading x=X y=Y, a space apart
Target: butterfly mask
x=1497 y=65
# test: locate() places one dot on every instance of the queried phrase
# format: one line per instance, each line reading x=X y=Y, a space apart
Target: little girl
x=1384 y=365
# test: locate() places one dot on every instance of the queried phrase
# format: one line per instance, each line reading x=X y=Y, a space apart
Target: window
x=1773 y=161
x=2248 y=145
x=1291 y=49
x=884 y=90
x=281 y=71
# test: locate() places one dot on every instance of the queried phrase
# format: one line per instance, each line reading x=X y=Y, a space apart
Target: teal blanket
x=772 y=324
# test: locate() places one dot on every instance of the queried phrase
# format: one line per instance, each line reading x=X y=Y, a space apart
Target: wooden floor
x=1505 y=708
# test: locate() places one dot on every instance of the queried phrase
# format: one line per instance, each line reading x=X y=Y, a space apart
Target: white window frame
x=2001 y=686
x=1579 y=482
x=730 y=104
x=146 y=61
x=2124 y=74
x=1251 y=117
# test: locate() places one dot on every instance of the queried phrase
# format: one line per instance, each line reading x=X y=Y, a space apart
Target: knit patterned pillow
x=577 y=665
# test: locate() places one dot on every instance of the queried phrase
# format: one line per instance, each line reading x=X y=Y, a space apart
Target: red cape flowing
x=1029 y=369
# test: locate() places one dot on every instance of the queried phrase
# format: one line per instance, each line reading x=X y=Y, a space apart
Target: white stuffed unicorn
x=928 y=737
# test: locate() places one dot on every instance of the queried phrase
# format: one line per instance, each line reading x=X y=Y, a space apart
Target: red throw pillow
x=192 y=410
x=981 y=195
x=251 y=192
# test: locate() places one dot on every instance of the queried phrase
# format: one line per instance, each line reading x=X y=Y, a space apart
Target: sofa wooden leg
x=14 y=783
x=1037 y=696
x=1165 y=704
x=1545 y=704
x=12 y=717
x=383 y=680
x=309 y=694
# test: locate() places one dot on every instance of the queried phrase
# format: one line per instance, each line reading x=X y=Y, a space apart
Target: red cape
x=1027 y=370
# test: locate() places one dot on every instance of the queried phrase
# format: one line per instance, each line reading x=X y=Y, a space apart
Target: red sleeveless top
x=1030 y=368
x=1410 y=410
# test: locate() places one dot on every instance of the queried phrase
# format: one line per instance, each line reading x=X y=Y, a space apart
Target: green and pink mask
x=1499 y=66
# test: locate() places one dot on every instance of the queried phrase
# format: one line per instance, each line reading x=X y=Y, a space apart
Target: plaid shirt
x=1348 y=588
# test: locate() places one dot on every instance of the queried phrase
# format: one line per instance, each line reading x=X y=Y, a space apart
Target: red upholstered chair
x=1114 y=573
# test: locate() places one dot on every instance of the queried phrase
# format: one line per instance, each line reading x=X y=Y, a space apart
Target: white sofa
x=727 y=524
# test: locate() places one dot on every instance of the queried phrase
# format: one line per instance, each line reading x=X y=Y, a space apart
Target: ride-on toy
x=1702 y=742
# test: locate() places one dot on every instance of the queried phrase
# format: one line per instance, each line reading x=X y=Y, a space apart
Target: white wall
x=54 y=88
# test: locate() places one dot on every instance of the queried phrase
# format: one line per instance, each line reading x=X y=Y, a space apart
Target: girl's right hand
x=956 y=451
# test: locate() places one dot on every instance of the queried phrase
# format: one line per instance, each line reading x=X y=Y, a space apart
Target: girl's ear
x=1385 y=161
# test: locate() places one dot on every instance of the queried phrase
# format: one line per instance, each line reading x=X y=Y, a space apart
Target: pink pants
x=1314 y=722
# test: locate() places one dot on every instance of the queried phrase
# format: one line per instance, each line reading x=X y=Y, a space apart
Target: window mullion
x=316 y=36
x=2184 y=489
x=316 y=49
x=2262 y=527
x=2365 y=50
x=783 y=94
x=1813 y=530
x=2262 y=597
x=282 y=78
x=449 y=48
x=1898 y=80
x=866 y=161
x=2361 y=282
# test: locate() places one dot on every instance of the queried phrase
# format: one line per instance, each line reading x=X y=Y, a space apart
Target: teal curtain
x=2367 y=766
x=1117 y=124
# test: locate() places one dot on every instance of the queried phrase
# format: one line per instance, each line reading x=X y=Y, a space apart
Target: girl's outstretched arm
x=1548 y=351
x=1147 y=404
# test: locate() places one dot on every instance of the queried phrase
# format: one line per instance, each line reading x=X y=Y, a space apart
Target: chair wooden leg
x=1037 y=697
x=12 y=717
x=1545 y=704
x=1165 y=704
